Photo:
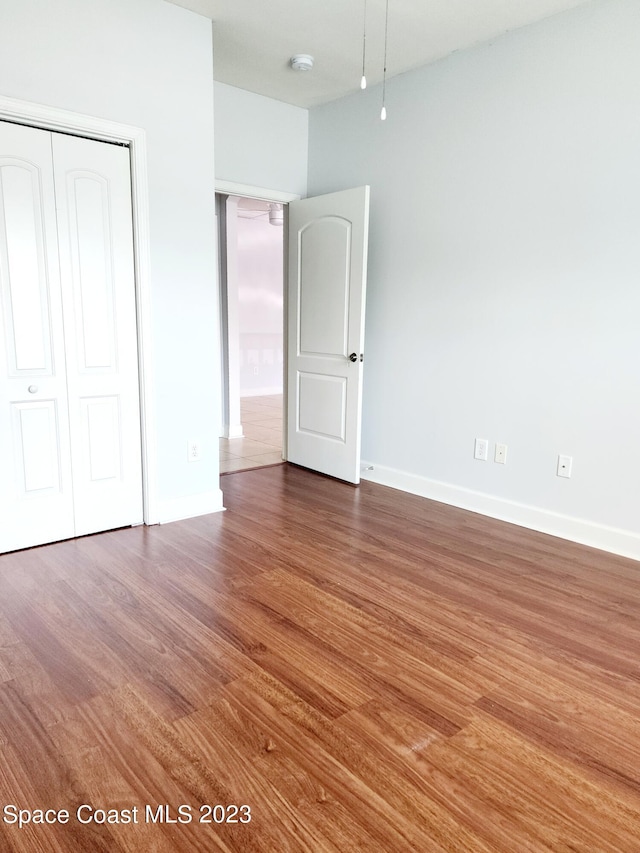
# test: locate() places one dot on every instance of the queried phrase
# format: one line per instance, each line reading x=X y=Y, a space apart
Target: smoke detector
x=301 y=62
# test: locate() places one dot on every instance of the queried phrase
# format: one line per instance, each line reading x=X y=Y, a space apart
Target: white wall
x=260 y=306
x=147 y=63
x=504 y=288
x=260 y=142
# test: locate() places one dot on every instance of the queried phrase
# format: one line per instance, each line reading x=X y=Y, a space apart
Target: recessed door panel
x=90 y=243
x=322 y=405
x=36 y=439
x=103 y=438
x=323 y=286
x=23 y=262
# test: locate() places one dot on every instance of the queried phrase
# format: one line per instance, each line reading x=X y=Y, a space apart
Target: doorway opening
x=252 y=247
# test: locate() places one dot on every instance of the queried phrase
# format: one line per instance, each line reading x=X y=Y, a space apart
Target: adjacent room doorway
x=324 y=255
x=252 y=284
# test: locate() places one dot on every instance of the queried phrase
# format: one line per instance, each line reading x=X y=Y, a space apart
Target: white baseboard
x=233 y=431
x=189 y=506
x=612 y=539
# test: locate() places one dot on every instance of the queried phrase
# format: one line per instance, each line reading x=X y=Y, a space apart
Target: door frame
x=279 y=196
x=104 y=130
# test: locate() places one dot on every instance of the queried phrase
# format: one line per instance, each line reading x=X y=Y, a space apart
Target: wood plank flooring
x=366 y=670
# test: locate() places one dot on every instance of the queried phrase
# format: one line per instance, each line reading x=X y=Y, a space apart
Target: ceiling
x=254 y=39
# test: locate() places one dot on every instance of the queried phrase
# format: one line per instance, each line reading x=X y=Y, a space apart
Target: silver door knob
x=32 y=389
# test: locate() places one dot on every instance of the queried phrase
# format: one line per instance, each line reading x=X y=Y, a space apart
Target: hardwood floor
x=364 y=669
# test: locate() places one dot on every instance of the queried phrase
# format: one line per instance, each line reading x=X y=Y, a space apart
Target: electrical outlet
x=565 y=464
x=193 y=450
x=481 y=450
x=500 y=454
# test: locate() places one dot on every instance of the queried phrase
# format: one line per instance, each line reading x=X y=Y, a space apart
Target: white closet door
x=36 y=500
x=70 y=456
x=93 y=199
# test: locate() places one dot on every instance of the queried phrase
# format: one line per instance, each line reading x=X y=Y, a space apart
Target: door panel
x=325 y=249
x=327 y=278
x=36 y=499
x=36 y=440
x=93 y=198
x=322 y=409
x=90 y=244
x=103 y=437
x=23 y=257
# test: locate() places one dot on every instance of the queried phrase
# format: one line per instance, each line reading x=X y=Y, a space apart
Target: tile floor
x=262 y=442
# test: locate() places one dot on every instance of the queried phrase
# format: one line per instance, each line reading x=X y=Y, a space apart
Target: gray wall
x=504 y=284
x=260 y=142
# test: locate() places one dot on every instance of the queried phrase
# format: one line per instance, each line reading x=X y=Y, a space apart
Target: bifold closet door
x=93 y=200
x=69 y=420
x=36 y=497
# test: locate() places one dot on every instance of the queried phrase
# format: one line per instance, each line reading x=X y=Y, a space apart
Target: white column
x=232 y=422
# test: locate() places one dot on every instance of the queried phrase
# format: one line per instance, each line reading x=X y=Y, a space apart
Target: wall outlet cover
x=481 y=449
x=500 y=455
x=565 y=464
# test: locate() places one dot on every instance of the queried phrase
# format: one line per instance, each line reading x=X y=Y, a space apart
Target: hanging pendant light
x=383 y=111
x=363 y=81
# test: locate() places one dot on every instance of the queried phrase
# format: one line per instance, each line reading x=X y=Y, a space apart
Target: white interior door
x=93 y=200
x=328 y=238
x=36 y=498
x=69 y=420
